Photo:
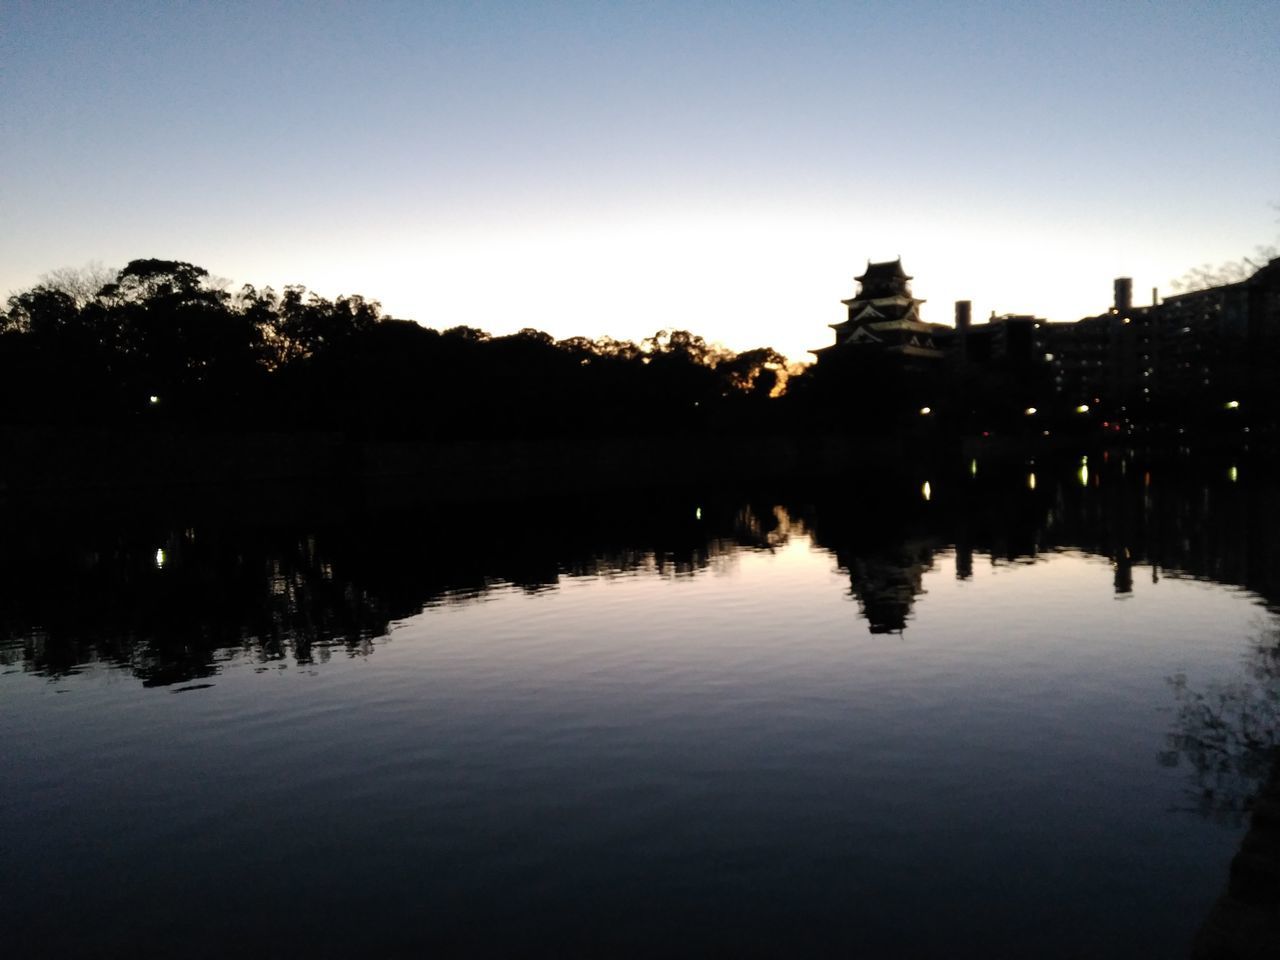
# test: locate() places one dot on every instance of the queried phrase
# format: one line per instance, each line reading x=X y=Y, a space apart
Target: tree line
x=161 y=343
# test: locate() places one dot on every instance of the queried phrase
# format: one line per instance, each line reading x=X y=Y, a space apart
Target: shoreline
x=51 y=463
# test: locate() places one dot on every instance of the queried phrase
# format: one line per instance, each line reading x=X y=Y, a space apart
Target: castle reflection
x=171 y=602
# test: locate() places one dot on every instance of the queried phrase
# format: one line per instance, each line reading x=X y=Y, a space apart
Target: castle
x=886 y=315
x=1219 y=341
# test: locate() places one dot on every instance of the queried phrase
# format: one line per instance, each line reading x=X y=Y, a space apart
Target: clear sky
x=616 y=168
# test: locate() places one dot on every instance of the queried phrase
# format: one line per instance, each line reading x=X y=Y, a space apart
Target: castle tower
x=885 y=315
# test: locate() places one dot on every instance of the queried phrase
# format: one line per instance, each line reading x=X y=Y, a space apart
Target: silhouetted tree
x=83 y=284
x=307 y=325
x=163 y=343
x=756 y=372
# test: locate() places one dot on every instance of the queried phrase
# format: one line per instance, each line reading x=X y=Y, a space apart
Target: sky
x=619 y=168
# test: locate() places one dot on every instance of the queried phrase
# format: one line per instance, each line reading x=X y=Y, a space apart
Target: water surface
x=848 y=719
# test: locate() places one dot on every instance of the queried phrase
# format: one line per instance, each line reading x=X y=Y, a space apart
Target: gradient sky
x=597 y=168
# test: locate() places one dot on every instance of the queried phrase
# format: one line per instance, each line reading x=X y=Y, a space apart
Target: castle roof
x=886 y=270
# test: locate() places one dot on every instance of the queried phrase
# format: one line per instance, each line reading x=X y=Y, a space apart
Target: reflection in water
x=172 y=613
x=1229 y=733
x=169 y=603
x=668 y=702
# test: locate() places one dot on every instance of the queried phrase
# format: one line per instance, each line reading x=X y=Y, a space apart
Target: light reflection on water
x=865 y=722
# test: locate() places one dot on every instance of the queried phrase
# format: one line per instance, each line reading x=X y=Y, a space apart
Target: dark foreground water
x=1012 y=713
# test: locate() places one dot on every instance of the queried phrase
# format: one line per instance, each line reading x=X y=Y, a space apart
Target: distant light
x=1233 y=474
x=1031 y=481
x=1030 y=411
x=1233 y=404
x=926 y=491
x=697 y=513
x=153 y=398
x=1084 y=461
x=1083 y=408
x=160 y=558
x=973 y=467
x=1084 y=475
x=925 y=411
x=1046 y=433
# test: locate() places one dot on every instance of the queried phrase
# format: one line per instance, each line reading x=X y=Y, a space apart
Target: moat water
x=1015 y=712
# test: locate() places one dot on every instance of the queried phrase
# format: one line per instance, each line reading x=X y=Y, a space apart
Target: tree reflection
x=172 y=602
x=1229 y=734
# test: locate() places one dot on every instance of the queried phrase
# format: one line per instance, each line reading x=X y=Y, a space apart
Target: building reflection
x=172 y=602
x=884 y=540
x=1176 y=519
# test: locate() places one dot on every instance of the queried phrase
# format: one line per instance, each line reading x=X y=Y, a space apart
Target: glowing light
x=1084 y=461
x=160 y=558
x=973 y=467
x=1030 y=411
x=1233 y=474
x=1083 y=408
x=697 y=513
x=1031 y=481
x=925 y=411
x=1233 y=404
x=926 y=491
x=1084 y=475
x=153 y=398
